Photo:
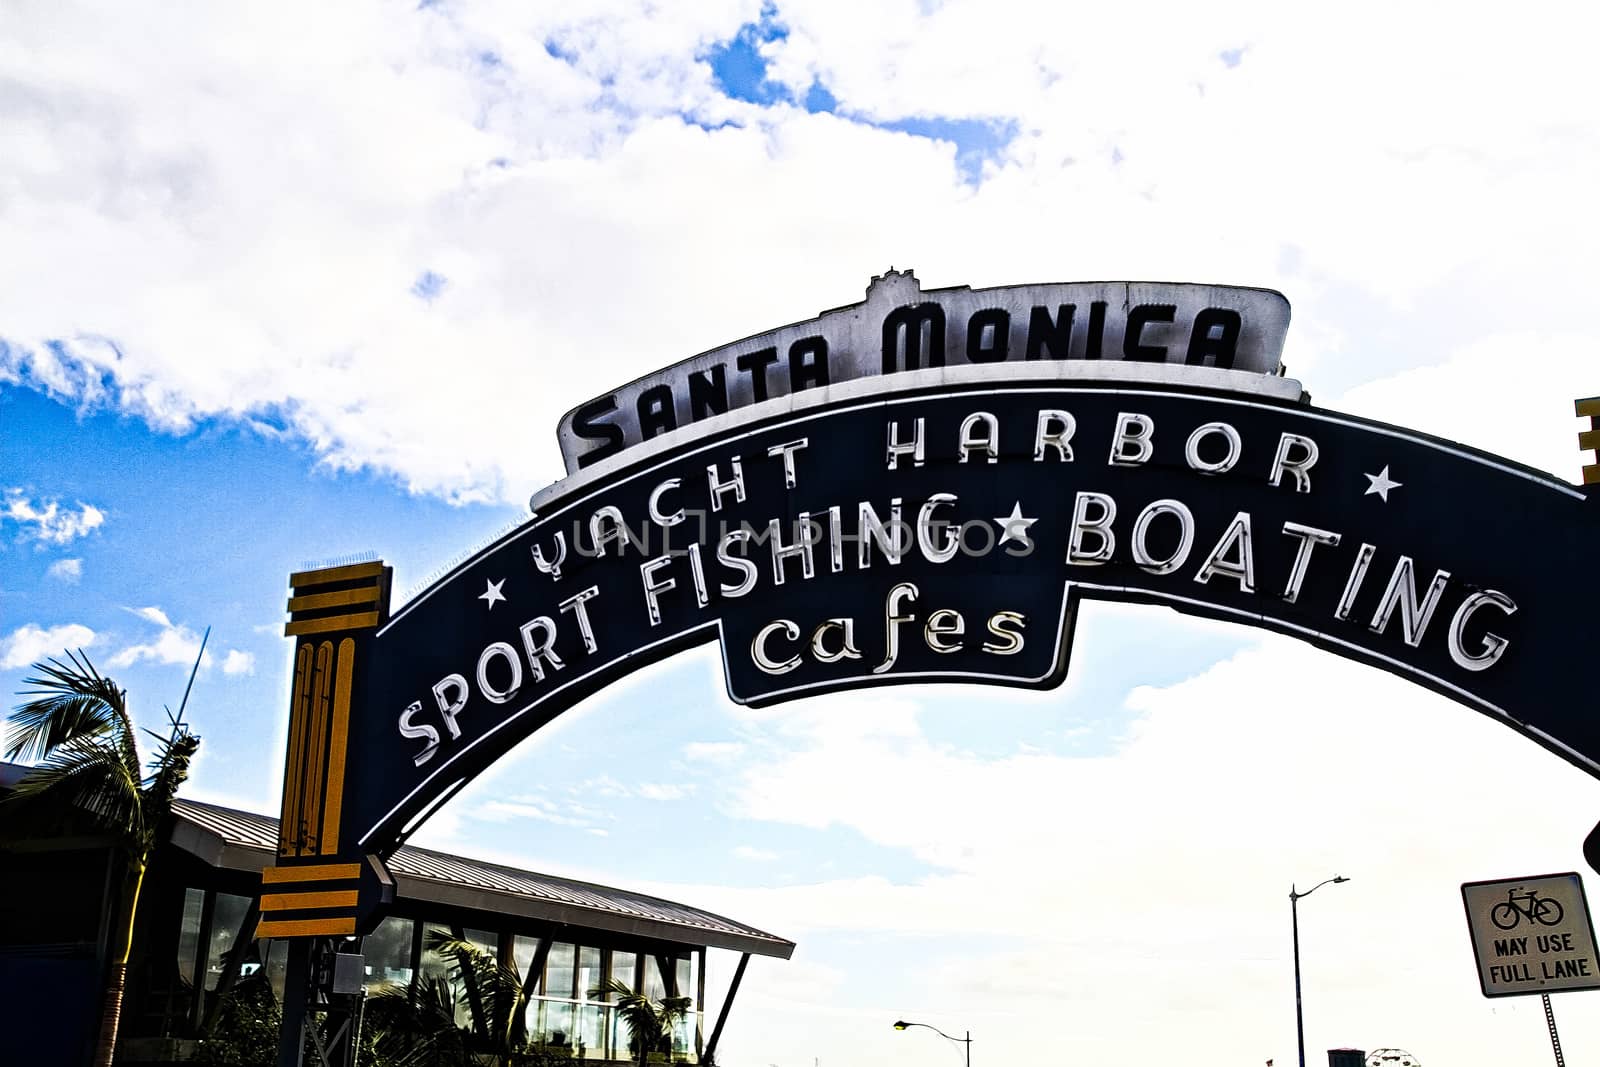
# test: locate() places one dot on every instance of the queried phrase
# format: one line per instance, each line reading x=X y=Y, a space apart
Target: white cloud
x=541 y=809
x=606 y=786
x=664 y=790
x=153 y=614
x=175 y=644
x=716 y=752
x=142 y=148
x=237 y=662
x=525 y=808
x=66 y=570
x=1523 y=416
x=750 y=852
x=47 y=521
x=28 y=644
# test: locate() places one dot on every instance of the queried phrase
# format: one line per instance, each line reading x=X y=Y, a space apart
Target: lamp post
x=967 y=1041
x=1294 y=917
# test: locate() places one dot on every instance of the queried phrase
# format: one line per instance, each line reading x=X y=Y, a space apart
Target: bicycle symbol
x=1508 y=913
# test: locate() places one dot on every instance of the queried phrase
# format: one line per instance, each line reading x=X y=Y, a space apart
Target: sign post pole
x=1299 y=1019
x=296 y=994
x=1555 y=1038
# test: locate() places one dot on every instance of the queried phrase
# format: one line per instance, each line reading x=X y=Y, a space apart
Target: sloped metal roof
x=243 y=840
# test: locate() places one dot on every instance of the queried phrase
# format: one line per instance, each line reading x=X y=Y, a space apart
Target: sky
x=280 y=286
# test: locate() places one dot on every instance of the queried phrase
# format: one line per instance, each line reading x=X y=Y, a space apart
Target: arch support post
x=323 y=891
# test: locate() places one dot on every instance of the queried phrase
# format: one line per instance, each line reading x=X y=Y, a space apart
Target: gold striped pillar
x=309 y=900
x=1589 y=440
x=313 y=889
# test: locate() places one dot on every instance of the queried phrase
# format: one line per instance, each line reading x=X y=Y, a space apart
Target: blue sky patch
x=976 y=140
x=739 y=70
x=818 y=99
x=428 y=285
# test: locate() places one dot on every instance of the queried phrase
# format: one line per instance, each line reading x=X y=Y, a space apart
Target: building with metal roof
x=194 y=943
x=244 y=841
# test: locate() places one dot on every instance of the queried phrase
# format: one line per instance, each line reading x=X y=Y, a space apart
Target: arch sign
x=922 y=488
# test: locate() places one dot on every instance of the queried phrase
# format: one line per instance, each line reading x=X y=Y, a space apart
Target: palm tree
x=417 y=1023
x=78 y=728
x=650 y=1021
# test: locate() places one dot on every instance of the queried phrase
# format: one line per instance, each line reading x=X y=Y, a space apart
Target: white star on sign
x=1014 y=527
x=1381 y=483
x=491 y=592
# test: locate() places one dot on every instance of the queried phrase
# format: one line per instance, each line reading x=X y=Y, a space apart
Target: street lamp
x=967 y=1041
x=1294 y=915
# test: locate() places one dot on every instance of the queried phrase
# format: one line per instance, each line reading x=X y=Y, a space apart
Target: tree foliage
x=75 y=723
x=415 y=1025
x=246 y=1034
x=650 y=1021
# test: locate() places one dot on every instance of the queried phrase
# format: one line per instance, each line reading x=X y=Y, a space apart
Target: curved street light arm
x=1293 y=895
x=902 y=1025
x=965 y=1042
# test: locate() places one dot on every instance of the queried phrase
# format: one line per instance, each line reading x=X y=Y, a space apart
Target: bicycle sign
x=1531 y=935
x=1508 y=913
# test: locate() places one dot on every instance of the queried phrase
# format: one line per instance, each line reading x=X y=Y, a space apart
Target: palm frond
x=493 y=992
x=423 y=1004
x=169 y=767
x=169 y=770
x=81 y=774
x=70 y=700
x=645 y=1022
x=491 y=974
x=415 y=1024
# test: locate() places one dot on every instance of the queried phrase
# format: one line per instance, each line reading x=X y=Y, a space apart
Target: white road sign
x=1532 y=935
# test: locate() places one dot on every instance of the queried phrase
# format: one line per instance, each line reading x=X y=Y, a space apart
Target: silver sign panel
x=899 y=327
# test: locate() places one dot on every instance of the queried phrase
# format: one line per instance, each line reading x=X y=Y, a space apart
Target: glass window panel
x=681 y=1041
x=621 y=1038
x=522 y=952
x=485 y=940
x=558 y=1023
x=592 y=1030
x=589 y=978
x=433 y=964
x=436 y=965
x=388 y=954
x=277 y=956
x=623 y=968
x=254 y=958
x=226 y=915
x=655 y=987
x=558 y=971
x=189 y=933
x=685 y=987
